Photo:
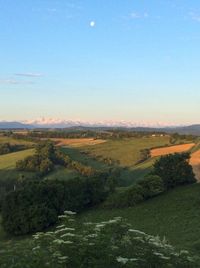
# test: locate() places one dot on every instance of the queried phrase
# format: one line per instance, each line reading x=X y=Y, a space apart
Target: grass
x=174 y=215
x=126 y=151
x=62 y=174
x=8 y=161
x=128 y=176
x=8 y=164
x=5 y=139
x=85 y=159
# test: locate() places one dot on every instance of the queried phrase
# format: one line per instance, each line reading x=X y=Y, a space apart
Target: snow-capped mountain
x=60 y=123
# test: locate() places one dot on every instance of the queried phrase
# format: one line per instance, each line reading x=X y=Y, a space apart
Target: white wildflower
x=136 y=231
x=67 y=234
x=60 y=226
x=68 y=212
x=122 y=260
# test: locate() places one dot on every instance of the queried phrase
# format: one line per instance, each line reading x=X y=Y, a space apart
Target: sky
x=94 y=60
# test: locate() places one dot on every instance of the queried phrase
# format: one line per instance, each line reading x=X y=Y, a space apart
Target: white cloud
x=29 y=74
x=14 y=82
x=194 y=16
x=136 y=15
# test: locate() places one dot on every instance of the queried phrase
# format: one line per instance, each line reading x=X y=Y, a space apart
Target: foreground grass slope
x=174 y=215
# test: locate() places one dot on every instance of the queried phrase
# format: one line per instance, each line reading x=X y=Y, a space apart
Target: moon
x=92 y=23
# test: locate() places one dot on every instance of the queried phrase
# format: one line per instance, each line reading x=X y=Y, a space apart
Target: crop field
x=77 y=142
x=172 y=149
x=195 y=162
x=8 y=161
x=4 y=139
x=125 y=151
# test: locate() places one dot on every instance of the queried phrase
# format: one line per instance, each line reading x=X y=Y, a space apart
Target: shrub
x=174 y=169
x=44 y=159
x=113 y=243
x=36 y=205
x=152 y=185
x=127 y=198
x=32 y=208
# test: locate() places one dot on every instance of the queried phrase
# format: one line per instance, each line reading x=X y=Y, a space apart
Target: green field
x=174 y=215
x=63 y=174
x=126 y=151
x=5 y=139
x=122 y=150
x=8 y=161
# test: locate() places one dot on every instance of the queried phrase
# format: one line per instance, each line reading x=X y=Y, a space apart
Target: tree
x=152 y=185
x=174 y=169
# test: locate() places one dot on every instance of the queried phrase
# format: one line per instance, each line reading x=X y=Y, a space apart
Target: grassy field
x=63 y=174
x=8 y=161
x=126 y=151
x=77 y=142
x=172 y=149
x=174 y=215
x=77 y=154
x=15 y=141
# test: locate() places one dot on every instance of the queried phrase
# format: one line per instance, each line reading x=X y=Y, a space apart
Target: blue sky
x=100 y=60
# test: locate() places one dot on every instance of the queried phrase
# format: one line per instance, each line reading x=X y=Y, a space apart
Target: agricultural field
x=5 y=139
x=168 y=215
x=125 y=151
x=77 y=142
x=172 y=149
x=8 y=161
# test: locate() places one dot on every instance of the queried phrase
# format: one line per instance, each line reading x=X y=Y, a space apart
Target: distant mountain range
x=52 y=123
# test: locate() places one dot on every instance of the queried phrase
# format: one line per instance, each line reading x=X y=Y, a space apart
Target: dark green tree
x=174 y=169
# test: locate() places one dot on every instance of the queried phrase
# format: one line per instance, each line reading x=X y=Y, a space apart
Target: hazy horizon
x=136 y=61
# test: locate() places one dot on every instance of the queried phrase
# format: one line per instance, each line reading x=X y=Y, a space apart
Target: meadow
x=126 y=152
x=174 y=215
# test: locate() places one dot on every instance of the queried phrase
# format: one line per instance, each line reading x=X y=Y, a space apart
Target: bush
x=44 y=159
x=152 y=185
x=174 y=170
x=127 y=198
x=36 y=205
x=32 y=208
x=113 y=243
